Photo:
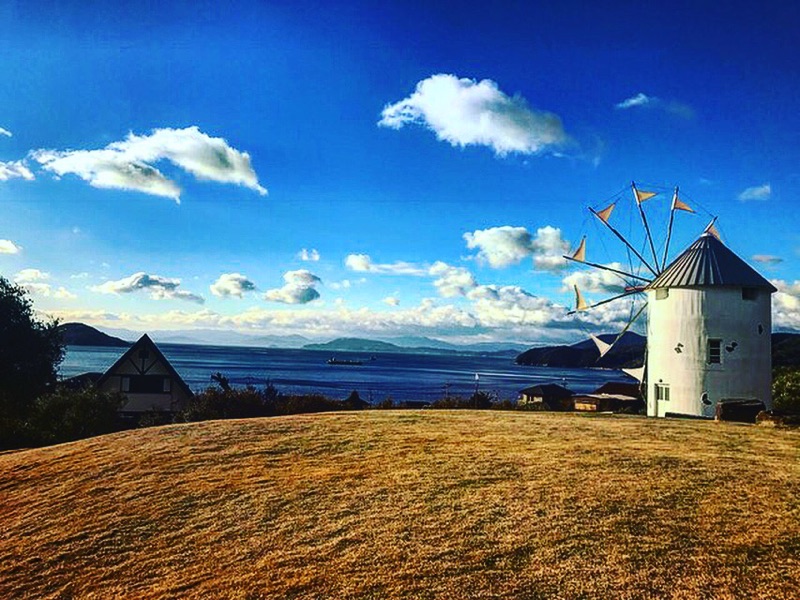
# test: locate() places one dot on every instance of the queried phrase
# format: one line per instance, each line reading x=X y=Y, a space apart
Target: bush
x=238 y=403
x=67 y=415
x=786 y=390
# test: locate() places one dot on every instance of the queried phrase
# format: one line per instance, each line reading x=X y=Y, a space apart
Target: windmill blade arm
x=626 y=242
x=605 y=268
x=606 y=301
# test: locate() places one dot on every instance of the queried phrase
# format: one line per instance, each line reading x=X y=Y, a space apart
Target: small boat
x=339 y=361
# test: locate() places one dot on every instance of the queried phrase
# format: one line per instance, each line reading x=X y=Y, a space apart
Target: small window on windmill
x=749 y=293
x=714 y=352
x=662 y=392
x=662 y=293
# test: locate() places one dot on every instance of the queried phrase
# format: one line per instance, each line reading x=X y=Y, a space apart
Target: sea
x=401 y=376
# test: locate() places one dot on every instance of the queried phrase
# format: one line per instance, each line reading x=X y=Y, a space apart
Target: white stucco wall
x=678 y=330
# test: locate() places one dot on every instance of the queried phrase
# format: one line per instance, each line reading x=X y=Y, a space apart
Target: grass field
x=407 y=504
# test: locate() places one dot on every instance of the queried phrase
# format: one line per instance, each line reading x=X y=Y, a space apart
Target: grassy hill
x=412 y=504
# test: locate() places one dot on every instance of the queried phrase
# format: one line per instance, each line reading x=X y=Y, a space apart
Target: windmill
x=708 y=317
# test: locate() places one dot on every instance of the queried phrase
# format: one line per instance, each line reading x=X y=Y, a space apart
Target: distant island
x=79 y=334
x=435 y=347
x=628 y=352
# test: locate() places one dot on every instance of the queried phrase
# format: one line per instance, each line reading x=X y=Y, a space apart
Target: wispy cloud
x=15 y=170
x=466 y=112
x=30 y=275
x=362 y=263
x=757 y=192
x=5 y=132
x=643 y=101
x=9 y=247
x=232 y=284
x=507 y=245
x=159 y=288
x=306 y=255
x=300 y=288
x=767 y=259
x=129 y=164
x=391 y=300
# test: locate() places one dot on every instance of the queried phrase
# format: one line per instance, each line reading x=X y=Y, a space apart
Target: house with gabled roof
x=145 y=376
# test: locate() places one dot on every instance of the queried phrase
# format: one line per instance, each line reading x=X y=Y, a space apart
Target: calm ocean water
x=401 y=376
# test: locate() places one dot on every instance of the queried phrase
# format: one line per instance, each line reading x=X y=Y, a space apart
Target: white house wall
x=678 y=331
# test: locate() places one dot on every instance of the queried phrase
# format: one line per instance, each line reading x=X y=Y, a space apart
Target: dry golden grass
x=427 y=504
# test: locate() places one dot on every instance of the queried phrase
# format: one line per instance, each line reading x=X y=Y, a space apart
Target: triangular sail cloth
x=641 y=195
x=605 y=214
x=712 y=229
x=678 y=204
x=580 y=253
x=637 y=373
x=580 y=303
x=602 y=346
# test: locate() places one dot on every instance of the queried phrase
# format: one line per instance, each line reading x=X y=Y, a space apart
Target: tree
x=786 y=389
x=30 y=352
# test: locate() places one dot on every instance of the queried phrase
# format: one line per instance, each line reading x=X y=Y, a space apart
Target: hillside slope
x=407 y=505
x=78 y=334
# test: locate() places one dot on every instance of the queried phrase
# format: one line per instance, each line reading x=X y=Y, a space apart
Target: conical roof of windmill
x=706 y=263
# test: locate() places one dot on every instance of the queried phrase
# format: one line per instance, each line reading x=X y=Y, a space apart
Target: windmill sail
x=712 y=229
x=641 y=195
x=580 y=253
x=602 y=346
x=637 y=373
x=677 y=204
x=605 y=214
x=580 y=303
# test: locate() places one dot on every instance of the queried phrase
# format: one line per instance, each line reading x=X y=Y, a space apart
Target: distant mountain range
x=430 y=347
x=627 y=352
x=78 y=334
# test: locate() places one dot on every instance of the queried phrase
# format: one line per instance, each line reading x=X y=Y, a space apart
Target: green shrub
x=786 y=390
x=66 y=415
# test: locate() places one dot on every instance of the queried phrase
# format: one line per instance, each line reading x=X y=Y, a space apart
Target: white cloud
x=298 y=289
x=758 y=192
x=507 y=245
x=767 y=259
x=786 y=304
x=452 y=281
x=9 y=247
x=30 y=275
x=82 y=275
x=5 y=132
x=308 y=255
x=232 y=284
x=128 y=164
x=64 y=294
x=595 y=281
x=391 y=300
x=501 y=246
x=15 y=170
x=549 y=249
x=362 y=263
x=159 y=288
x=644 y=101
x=465 y=112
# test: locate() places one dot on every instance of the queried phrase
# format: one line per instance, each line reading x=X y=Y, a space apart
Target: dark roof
x=709 y=262
x=619 y=388
x=141 y=343
x=547 y=389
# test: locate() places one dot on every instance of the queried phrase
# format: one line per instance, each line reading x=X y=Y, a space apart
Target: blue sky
x=377 y=170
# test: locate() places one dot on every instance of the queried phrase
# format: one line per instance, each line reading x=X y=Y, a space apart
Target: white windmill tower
x=709 y=331
x=709 y=321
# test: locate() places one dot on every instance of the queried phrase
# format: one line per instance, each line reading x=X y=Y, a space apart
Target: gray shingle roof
x=709 y=262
